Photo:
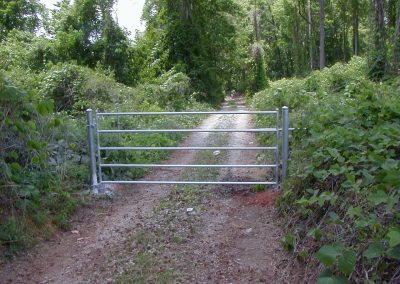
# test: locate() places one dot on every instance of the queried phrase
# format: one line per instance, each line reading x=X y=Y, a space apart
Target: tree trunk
x=355 y=27
x=321 y=34
x=379 y=56
x=397 y=41
x=275 y=26
x=310 y=37
x=256 y=22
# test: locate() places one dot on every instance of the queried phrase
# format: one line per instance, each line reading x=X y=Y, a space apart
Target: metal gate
x=97 y=165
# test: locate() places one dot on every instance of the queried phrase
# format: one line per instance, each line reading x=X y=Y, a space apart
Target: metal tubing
x=182 y=166
x=92 y=157
x=187 y=148
x=186 y=130
x=277 y=148
x=285 y=141
x=185 y=113
x=98 y=148
x=190 y=182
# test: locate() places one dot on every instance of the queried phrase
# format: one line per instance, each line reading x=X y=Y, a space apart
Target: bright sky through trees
x=128 y=13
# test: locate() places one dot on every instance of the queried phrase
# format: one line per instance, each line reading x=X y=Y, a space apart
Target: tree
x=86 y=32
x=355 y=12
x=397 y=41
x=260 y=80
x=198 y=37
x=378 y=65
x=321 y=34
x=310 y=34
x=19 y=14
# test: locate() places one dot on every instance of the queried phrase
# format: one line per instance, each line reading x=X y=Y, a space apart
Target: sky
x=128 y=13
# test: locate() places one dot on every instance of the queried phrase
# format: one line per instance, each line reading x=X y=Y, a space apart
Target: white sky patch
x=127 y=13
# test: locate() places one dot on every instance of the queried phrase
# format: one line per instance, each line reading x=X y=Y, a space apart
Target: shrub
x=342 y=197
x=32 y=192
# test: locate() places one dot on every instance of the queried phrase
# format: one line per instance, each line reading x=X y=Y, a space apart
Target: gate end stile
x=285 y=142
x=92 y=156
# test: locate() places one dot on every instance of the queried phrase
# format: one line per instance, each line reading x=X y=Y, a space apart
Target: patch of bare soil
x=171 y=234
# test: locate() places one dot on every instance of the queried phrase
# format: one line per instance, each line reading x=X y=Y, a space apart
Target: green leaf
x=327 y=254
x=321 y=175
x=13 y=155
x=315 y=233
x=35 y=160
x=45 y=107
x=56 y=122
x=394 y=237
x=392 y=177
x=332 y=280
x=33 y=145
x=394 y=253
x=334 y=217
x=389 y=164
x=335 y=154
x=347 y=262
x=303 y=254
x=378 y=197
x=375 y=249
x=15 y=167
x=327 y=277
x=31 y=124
x=354 y=211
x=373 y=157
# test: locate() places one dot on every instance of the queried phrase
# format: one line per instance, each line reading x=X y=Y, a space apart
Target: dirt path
x=147 y=234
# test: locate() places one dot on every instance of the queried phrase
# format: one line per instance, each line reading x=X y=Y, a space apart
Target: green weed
x=344 y=171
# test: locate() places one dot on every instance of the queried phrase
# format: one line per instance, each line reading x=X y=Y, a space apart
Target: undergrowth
x=341 y=200
x=43 y=144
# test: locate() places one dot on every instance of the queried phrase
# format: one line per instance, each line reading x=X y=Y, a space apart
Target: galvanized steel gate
x=97 y=165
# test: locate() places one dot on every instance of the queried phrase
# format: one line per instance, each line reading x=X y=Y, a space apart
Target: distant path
x=235 y=239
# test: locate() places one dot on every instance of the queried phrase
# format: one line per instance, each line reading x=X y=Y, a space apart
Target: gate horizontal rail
x=191 y=182
x=186 y=113
x=182 y=166
x=91 y=126
x=186 y=148
x=185 y=130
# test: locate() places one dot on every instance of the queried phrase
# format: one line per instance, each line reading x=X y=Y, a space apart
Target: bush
x=32 y=188
x=342 y=197
x=43 y=157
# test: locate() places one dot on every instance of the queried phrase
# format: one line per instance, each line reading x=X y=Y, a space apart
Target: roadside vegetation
x=341 y=202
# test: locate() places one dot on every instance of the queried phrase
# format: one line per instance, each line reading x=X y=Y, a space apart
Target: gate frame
x=96 y=179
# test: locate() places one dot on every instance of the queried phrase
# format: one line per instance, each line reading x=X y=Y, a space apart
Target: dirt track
x=145 y=234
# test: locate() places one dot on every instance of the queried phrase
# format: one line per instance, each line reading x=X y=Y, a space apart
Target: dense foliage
x=46 y=84
x=342 y=199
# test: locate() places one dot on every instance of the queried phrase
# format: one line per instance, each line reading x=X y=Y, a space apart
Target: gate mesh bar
x=182 y=166
x=186 y=148
x=184 y=113
x=185 y=130
x=191 y=182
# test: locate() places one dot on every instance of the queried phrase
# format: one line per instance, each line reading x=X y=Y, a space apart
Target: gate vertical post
x=277 y=149
x=92 y=156
x=285 y=141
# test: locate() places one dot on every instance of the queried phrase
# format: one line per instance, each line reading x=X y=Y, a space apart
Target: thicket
x=341 y=201
x=43 y=144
